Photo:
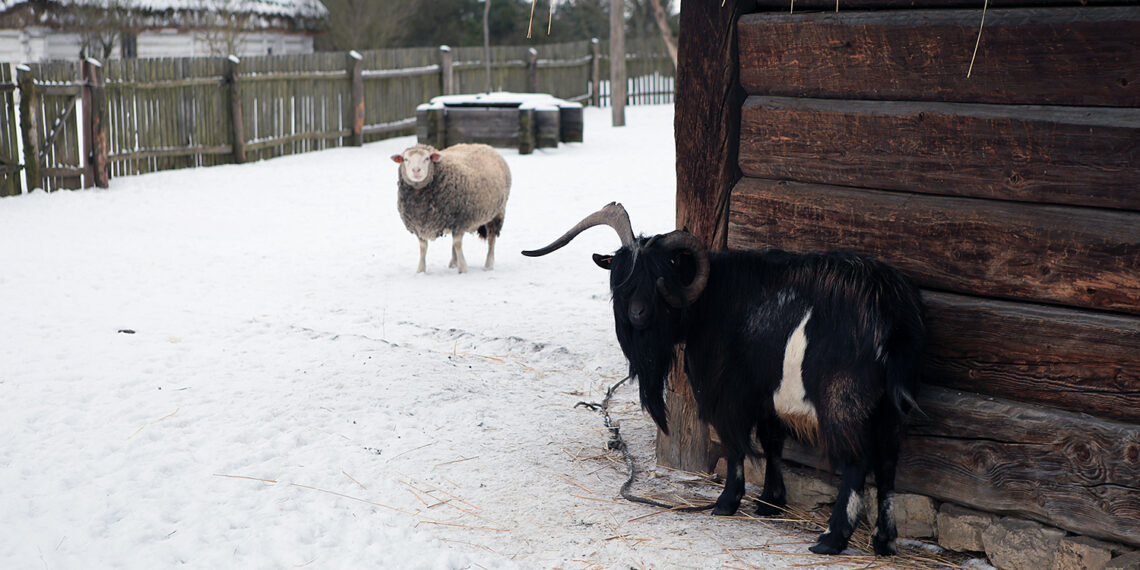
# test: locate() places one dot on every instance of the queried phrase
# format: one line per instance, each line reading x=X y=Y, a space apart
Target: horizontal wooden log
x=395 y=126
x=404 y=72
x=1079 y=156
x=168 y=84
x=296 y=76
x=59 y=89
x=1044 y=56
x=275 y=141
x=1069 y=256
x=170 y=152
x=1064 y=469
x=1081 y=361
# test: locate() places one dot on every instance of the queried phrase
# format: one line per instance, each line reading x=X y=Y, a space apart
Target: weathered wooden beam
x=446 y=74
x=95 y=103
x=595 y=73
x=527 y=131
x=1067 y=256
x=237 y=121
x=707 y=110
x=1081 y=156
x=1056 y=56
x=619 y=88
x=1081 y=361
x=30 y=126
x=1064 y=469
x=532 y=70
x=355 y=68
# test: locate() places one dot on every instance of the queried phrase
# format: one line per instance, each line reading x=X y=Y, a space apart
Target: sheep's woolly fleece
x=236 y=367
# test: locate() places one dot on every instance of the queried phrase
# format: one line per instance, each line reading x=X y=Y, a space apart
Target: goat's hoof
x=883 y=547
x=768 y=509
x=829 y=544
x=725 y=508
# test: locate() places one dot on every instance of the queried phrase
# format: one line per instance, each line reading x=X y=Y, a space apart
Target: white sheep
x=463 y=188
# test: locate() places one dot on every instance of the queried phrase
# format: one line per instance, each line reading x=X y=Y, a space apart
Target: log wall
x=1007 y=187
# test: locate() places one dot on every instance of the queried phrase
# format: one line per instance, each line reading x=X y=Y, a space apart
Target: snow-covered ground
x=236 y=367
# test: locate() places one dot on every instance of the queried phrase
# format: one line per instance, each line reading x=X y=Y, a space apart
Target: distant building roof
x=289 y=8
x=305 y=14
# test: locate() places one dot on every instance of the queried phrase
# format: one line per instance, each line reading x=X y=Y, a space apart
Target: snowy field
x=236 y=367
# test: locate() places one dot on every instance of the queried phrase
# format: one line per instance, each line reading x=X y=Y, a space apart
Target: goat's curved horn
x=613 y=215
x=682 y=240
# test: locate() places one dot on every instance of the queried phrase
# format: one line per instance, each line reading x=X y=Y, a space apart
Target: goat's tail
x=904 y=353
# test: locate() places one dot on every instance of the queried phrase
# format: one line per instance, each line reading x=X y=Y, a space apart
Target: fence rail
x=77 y=124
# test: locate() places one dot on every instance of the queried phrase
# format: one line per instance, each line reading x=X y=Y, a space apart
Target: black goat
x=824 y=347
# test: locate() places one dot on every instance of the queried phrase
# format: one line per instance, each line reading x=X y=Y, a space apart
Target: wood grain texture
x=1081 y=361
x=1066 y=256
x=1052 y=56
x=1064 y=469
x=1063 y=155
x=707 y=111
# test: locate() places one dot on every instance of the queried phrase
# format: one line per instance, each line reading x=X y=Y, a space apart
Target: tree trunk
x=666 y=31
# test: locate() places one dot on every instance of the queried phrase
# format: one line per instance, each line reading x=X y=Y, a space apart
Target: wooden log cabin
x=1006 y=184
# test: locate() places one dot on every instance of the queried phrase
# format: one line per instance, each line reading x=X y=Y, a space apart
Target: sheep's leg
x=775 y=496
x=845 y=513
x=452 y=263
x=457 y=251
x=733 y=492
x=423 y=256
x=490 y=264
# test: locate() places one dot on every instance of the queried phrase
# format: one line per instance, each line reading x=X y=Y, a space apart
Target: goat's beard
x=650 y=359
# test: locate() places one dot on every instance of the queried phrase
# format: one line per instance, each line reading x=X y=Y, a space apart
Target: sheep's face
x=417 y=165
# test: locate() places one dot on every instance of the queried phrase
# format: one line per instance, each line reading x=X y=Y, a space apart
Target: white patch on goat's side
x=791 y=399
x=854 y=506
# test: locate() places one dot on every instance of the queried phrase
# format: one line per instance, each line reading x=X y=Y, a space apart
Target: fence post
x=447 y=87
x=532 y=70
x=30 y=126
x=356 y=69
x=94 y=96
x=595 y=73
x=233 y=76
x=618 y=86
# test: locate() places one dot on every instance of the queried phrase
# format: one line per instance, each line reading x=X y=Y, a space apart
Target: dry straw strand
x=978 y=42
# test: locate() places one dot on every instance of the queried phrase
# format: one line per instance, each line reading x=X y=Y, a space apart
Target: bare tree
x=226 y=24
x=101 y=27
x=666 y=30
x=368 y=24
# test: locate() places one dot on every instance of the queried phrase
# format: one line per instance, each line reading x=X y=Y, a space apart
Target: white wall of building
x=37 y=44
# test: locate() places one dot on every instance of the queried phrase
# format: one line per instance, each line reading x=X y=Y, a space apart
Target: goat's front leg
x=423 y=256
x=457 y=251
x=733 y=492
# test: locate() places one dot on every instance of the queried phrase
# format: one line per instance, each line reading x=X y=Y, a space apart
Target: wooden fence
x=82 y=123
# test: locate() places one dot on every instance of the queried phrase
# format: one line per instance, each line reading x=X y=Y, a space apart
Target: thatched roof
x=298 y=14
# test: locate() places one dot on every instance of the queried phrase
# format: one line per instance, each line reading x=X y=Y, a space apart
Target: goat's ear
x=435 y=157
x=397 y=158
x=603 y=261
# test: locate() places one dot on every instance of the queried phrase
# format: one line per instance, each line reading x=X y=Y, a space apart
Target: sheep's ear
x=435 y=157
x=397 y=158
x=603 y=261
